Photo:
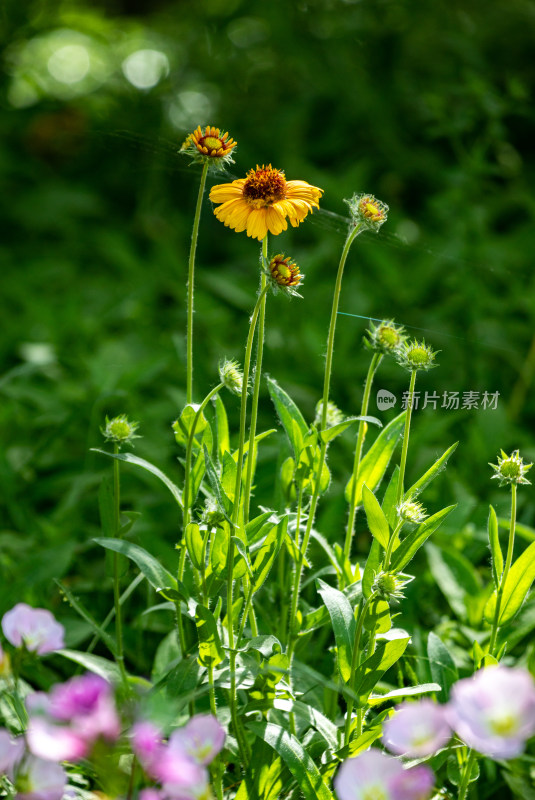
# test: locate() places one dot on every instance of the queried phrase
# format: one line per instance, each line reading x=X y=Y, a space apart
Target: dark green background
x=426 y=105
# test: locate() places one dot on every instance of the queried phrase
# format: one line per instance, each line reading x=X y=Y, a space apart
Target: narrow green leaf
x=295 y=757
x=516 y=589
x=224 y=502
x=495 y=549
x=443 y=669
x=399 y=694
x=369 y=673
x=268 y=552
x=414 y=540
x=378 y=616
x=96 y=664
x=331 y=433
x=288 y=411
x=377 y=521
x=321 y=723
x=129 y=458
x=431 y=474
x=196 y=476
x=242 y=550
x=373 y=563
x=374 y=464
x=228 y=476
x=390 y=499
x=210 y=648
x=151 y=568
x=343 y=623
x=194 y=544
x=221 y=421
x=257 y=527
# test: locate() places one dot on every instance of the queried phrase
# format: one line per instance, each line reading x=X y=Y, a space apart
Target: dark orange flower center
x=264 y=186
x=284 y=271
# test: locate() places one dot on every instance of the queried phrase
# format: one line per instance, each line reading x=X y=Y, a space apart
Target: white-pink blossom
x=35 y=628
x=417 y=729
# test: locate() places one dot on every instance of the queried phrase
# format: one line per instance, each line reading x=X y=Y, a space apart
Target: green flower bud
x=334 y=415
x=416 y=355
x=410 y=511
x=385 y=338
x=231 y=375
x=389 y=585
x=510 y=469
x=367 y=211
x=120 y=430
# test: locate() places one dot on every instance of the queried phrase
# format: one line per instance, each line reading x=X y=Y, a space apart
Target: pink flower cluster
x=493 y=712
x=65 y=724
x=179 y=765
x=36 y=629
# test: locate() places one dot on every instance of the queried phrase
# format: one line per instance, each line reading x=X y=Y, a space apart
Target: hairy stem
x=505 y=573
x=376 y=360
x=116 y=565
x=406 y=432
x=191 y=279
x=355 y=661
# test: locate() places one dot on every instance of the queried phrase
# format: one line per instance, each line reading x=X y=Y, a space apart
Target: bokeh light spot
x=145 y=68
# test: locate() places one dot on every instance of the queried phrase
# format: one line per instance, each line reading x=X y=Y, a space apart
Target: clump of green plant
x=236 y=707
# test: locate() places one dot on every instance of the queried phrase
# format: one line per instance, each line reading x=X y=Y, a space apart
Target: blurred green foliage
x=428 y=106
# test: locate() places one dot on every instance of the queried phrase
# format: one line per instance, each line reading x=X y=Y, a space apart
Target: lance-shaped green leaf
x=268 y=552
x=183 y=426
x=374 y=463
x=259 y=527
x=377 y=522
x=516 y=589
x=443 y=669
x=242 y=550
x=96 y=664
x=221 y=421
x=288 y=412
x=194 y=544
x=335 y=430
x=210 y=648
x=223 y=501
x=414 y=540
x=372 y=567
x=495 y=549
x=154 y=572
x=296 y=758
x=399 y=694
x=343 y=623
x=431 y=473
x=129 y=458
x=370 y=672
x=228 y=476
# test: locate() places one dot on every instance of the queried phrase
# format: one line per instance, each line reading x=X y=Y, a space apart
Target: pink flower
x=147 y=744
x=35 y=628
x=182 y=778
x=202 y=738
x=11 y=752
x=417 y=729
x=494 y=711
x=40 y=780
x=65 y=724
x=374 y=774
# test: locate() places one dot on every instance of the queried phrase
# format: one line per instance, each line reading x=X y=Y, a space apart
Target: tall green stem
x=355 y=661
x=465 y=780
x=376 y=360
x=235 y=517
x=256 y=390
x=323 y=448
x=505 y=573
x=186 y=509
x=116 y=563
x=406 y=432
x=191 y=278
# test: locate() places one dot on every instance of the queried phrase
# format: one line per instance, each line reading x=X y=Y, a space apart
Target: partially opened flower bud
x=385 y=338
x=210 y=146
x=367 y=211
x=284 y=275
x=410 y=511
